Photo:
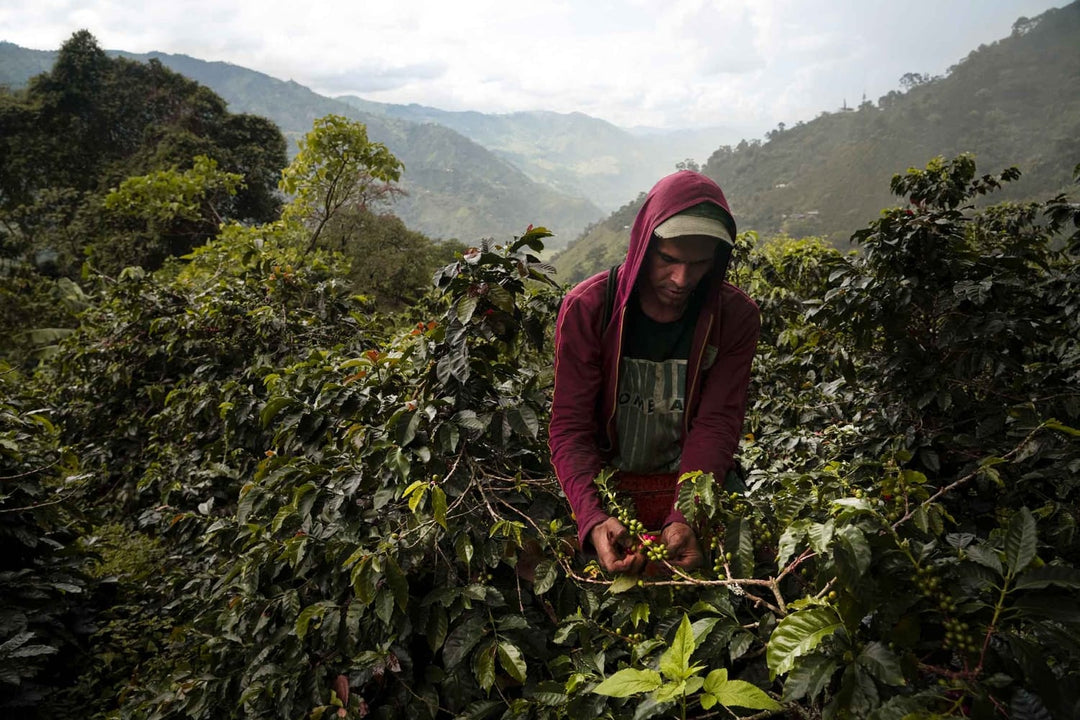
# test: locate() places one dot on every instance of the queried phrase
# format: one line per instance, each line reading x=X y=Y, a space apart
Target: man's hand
x=612 y=543
x=682 y=546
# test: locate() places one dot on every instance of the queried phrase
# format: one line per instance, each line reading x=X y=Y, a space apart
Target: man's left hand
x=682 y=546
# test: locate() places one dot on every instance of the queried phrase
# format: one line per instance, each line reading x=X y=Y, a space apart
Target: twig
x=30 y=472
x=964 y=480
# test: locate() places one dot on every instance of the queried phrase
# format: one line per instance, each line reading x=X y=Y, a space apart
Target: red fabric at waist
x=653 y=496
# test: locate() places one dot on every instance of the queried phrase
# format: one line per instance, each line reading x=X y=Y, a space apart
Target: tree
x=1024 y=25
x=338 y=168
x=688 y=164
x=387 y=260
x=913 y=79
x=75 y=134
x=163 y=214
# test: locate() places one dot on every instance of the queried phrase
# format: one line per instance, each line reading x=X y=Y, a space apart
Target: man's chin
x=674 y=298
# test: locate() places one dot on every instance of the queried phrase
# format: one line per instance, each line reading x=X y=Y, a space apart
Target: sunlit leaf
x=798 y=634
x=622 y=583
x=629 y=682
x=675 y=661
x=438 y=506
x=512 y=661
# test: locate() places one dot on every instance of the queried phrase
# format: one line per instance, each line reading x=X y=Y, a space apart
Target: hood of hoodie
x=670 y=196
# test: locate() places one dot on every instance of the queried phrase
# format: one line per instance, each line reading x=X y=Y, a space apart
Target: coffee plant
x=300 y=509
x=41 y=575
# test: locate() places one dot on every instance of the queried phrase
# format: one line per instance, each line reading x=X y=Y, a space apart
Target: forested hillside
x=89 y=188
x=1015 y=102
x=454 y=187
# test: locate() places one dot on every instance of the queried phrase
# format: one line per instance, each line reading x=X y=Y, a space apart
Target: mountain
x=571 y=152
x=1014 y=102
x=18 y=64
x=456 y=188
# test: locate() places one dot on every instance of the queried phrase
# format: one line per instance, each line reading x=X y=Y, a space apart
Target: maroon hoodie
x=582 y=433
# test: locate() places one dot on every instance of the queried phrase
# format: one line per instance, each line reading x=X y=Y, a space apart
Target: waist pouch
x=652 y=495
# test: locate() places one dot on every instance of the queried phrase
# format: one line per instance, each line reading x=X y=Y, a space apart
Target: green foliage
x=353 y=515
x=158 y=353
x=35 y=311
x=41 y=578
x=164 y=214
x=682 y=680
x=349 y=434
x=387 y=260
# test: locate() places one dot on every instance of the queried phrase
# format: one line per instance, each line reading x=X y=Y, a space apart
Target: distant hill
x=574 y=153
x=1014 y=102
x=456 y=188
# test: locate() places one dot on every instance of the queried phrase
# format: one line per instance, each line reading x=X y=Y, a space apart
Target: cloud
x=377 y=78
x=683 y=63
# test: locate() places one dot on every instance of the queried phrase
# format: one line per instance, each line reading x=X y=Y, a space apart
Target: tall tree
x=338 y=168
x=91 y=122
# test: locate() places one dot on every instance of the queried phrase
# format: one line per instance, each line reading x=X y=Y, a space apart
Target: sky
x=746 y=65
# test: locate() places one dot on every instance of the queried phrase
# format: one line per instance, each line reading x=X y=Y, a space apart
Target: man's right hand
x=612 y=543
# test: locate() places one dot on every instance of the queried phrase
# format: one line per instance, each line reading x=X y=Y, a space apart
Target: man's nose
x=680 y=275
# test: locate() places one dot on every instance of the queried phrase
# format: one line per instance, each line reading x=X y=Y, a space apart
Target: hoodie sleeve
x=715 y=428
x=574 y=428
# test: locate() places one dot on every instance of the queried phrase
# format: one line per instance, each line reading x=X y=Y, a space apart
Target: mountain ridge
x=572 y=152
x=498 y=201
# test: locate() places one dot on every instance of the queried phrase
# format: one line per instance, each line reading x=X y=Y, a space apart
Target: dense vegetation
x=1014 y=101
x=88 y=187
x=236 y=490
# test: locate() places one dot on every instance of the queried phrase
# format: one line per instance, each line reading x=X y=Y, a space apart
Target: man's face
x=673 y=268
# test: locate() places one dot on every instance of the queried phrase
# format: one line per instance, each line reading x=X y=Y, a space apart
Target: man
x=660 y=389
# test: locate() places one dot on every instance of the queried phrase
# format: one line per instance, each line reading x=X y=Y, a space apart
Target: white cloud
x=683 y=63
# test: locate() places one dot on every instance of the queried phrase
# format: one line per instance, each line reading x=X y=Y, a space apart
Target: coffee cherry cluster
x=762 y=531
x=632 y=524
x=738 y=503
x=720 y=557
x=958 y=636
x=927 y=582
x=655 y=549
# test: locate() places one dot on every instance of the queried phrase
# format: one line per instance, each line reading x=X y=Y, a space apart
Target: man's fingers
x=617 y=558
x=628 y=564
x=682 y=546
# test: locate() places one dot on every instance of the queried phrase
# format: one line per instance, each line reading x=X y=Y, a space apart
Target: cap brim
x=682 y=225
